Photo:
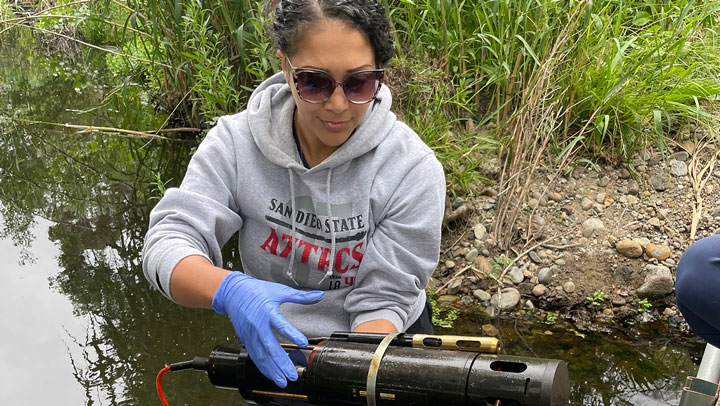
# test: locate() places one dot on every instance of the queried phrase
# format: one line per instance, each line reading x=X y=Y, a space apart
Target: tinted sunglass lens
x=361 y=87
x=314 y=87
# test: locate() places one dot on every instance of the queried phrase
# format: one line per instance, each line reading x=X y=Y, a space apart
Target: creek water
x=80 y=325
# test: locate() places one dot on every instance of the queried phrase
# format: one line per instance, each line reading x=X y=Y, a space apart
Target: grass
x=577 y=80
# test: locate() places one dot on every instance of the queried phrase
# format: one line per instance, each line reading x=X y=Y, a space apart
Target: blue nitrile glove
x=252 y=305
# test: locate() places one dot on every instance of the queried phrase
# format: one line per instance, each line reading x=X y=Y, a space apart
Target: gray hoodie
x=364 y=225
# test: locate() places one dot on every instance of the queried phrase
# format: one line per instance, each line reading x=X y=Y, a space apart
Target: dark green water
x=79 y=321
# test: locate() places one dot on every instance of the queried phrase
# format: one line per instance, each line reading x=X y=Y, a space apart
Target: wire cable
x=158 y=385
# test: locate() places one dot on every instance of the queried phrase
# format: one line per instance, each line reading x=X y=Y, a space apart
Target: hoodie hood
x=270 y=114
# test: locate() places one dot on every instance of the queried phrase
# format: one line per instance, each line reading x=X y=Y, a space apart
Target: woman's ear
x=281 y=55
x=283 y=63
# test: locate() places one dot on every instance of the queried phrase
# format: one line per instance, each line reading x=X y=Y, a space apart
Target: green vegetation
x=597 y=299
x=607 y=77
x=500 y=262
x=644 y=305
x=551 y=317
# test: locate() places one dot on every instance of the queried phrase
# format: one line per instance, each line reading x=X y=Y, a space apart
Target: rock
x=482 y=265
x=508 y=299
x=534 y=257
x=629 y=248
x=655 y=222
x=678 y=168
x=533 y=203
x=489 y=330
x=569 y=287
x=633 y=187
x=466 y=300
x=604 y=181
x=454 y=286
x=555 y=197
x=447 y=299
x=586 y=203
x=433 y=283
x=538 y=221
x=545 y=276
x=659 y=252
x=528 y=305
x=480 y=232
x=680 y=156
x=490 y=167
x=471 y=255
x=450 y=264
x=608 y=313
x=515 y=275
x=658 y=183
x=591 y=225
x=482 y=296
x=600 y=197
x=624 y=173
x=491 y=311
x=619 y=302
x=488 y=206
x=457 y=202
x=658 y=282
x=539 y=290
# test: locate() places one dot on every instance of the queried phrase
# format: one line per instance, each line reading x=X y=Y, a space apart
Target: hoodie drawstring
x=329 y=272
x=289 y=271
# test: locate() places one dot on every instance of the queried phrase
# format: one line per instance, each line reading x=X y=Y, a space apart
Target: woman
x=338 y=205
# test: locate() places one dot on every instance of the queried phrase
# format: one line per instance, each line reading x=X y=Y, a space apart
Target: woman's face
x=339 y=49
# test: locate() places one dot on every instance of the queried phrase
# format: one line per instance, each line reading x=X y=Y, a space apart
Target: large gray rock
x=658 y=282
x=482 y=296
x=515 y=275
x=508 y=300
x=545 y=276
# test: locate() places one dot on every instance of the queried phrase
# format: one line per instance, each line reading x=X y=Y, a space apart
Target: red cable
x=158 y=384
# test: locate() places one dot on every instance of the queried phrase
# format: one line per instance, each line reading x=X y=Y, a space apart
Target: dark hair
x=294 y=17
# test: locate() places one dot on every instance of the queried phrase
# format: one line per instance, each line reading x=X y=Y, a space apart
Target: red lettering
x=323 y=262
x=349 y=280
x=307 y=247
x=357 y=255
x=271 y=243
x=339 y=259
x=288 y=247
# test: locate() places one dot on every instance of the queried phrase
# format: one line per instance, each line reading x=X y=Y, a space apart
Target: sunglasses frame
x=380 y=73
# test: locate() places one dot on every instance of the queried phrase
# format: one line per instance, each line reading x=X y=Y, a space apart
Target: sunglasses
x=316 y=86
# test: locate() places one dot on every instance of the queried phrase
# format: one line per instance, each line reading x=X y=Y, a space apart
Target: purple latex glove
x=252 y=305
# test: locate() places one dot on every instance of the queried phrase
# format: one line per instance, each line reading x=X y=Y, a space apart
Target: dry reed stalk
x=531 y=129
x=698 y=178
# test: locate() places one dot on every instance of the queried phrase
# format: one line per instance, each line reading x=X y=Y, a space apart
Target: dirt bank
x=606 y=247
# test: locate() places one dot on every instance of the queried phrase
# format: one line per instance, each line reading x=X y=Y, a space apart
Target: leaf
x=641 y=18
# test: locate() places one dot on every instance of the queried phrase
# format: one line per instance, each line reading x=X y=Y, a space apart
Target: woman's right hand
x=253 y=307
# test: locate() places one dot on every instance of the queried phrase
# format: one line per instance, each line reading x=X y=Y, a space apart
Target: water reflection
x=78 y=204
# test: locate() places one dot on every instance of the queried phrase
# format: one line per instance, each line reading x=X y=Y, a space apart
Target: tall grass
x=634 y=73
x=638 y=70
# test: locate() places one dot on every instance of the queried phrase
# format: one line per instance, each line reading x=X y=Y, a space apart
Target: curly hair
x=293 y=18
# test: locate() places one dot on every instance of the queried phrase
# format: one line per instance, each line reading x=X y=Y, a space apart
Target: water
x=80 y=323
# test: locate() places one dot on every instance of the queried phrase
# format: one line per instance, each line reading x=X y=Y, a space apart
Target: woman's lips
x=335 y=126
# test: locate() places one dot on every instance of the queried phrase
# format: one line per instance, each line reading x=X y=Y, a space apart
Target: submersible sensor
x=399 y=369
